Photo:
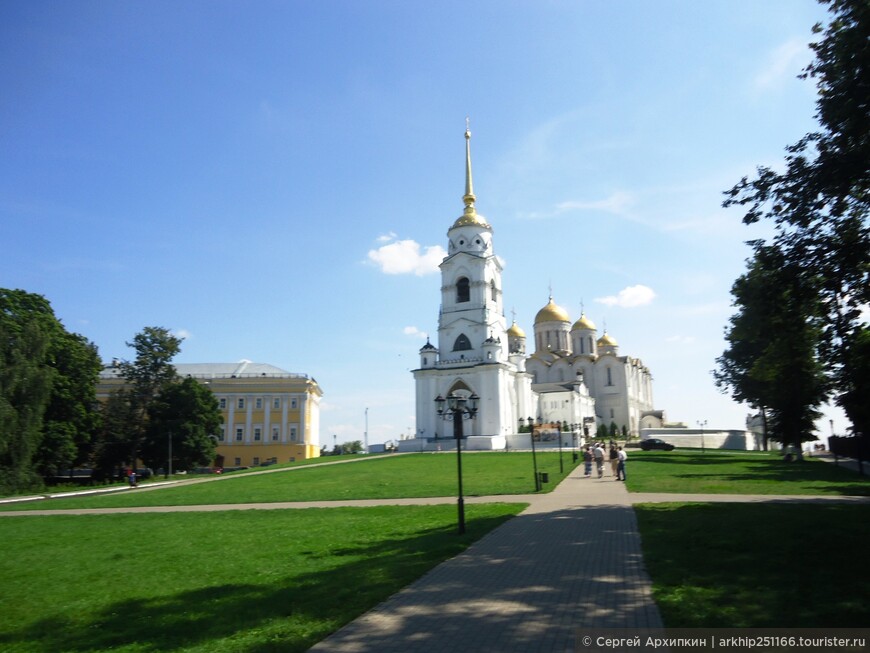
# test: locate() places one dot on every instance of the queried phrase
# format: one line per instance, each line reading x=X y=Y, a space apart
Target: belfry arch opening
x=463 y=290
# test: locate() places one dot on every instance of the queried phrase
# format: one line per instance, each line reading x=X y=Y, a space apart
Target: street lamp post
x=702 y=425
x=561 y=465
x=458 y=409
x=534 y=455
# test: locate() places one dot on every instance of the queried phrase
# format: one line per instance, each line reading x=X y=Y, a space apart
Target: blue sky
x=273 y=180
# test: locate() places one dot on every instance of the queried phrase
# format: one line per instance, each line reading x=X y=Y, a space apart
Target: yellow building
x=269 y=415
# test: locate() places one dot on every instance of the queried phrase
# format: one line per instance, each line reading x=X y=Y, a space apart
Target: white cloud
x=386 y=238
x=783 y=64
x=617 y=203
x=184 y=334
x=414 y=331
x=407 y=257
x=630 y=297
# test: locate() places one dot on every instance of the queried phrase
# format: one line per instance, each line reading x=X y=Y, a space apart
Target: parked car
x=655 y=443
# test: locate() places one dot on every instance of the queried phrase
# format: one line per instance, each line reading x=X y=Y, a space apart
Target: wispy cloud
x=406 y=257
x=783 y=64
x=184 y=334
x=618 y=203
x=415 y=332
x=629 y=297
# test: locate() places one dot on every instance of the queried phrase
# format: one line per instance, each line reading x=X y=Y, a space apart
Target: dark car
x=655 y=443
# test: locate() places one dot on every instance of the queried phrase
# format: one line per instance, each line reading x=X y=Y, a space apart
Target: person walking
x=620 y=465
x=598 y=454
x=587 y=461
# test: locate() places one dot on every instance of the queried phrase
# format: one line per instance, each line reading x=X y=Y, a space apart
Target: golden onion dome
x=606 y=341
x=515 y=331
x=552 y=312
x=471 y=219
x=583 y=323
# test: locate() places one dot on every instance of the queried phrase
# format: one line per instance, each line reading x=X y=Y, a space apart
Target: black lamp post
x=458 y=409
x=534 y=455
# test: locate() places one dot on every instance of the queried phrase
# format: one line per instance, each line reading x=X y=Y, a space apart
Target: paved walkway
x=569 y=561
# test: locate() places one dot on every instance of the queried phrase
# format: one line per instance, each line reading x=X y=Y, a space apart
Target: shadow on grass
x=818 y=476
x=301 y=609
x=758 y=566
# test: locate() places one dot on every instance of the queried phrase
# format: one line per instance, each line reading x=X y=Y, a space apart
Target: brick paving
x=572 y=560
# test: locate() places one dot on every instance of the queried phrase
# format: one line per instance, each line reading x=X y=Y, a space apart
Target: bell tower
x=473 y=345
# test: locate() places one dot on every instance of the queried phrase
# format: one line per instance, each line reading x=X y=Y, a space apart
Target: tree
x=25 y=389
x=146 y=377
x=71 y=420
x=187 y=413
x=352 y=447
x=47 y=391
x=820 y=201
x=772 y=360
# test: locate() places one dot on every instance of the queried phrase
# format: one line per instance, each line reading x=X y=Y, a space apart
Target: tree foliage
x=772 y=362
x=819 y=202
x=187 y=413
x=146 y=376
x=47 y=386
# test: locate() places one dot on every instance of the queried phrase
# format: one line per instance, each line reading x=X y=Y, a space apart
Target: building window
x=256 y=460
x=293 y=433
x=492 y=291
x=276 y=404
x=463 y=290
x=276 y=434
x=462 y=343
x=238 y=462
x=294 y=404
x=258 y=404
x=241 y=403
x=240 y=434
x=222 y=402
x=258 y=434
x=609 y=377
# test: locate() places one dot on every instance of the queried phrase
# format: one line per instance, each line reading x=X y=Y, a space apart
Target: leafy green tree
x=25 y=390
x=854 y=398
x=47 y=391
x=352 y=447
x=71 y=418
x=819 y=202
x=188 y=415
x=146 y=377
x=772 y=359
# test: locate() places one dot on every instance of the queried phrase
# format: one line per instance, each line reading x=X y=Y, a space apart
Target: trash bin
x=545 y=477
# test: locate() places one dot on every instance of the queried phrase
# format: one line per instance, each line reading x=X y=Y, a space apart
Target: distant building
x=269 y=415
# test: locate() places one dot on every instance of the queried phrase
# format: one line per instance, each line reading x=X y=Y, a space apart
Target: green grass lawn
x=228 y=581
x=384 y=477
x=758 y=565
x=717 y=472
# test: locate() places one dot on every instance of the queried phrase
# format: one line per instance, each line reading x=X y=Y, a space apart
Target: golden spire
x=470 y=215
x=468 y=198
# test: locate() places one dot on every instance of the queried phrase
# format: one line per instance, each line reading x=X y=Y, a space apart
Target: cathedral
x=573 y=376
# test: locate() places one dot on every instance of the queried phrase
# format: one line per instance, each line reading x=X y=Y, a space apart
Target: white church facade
x=572 y=376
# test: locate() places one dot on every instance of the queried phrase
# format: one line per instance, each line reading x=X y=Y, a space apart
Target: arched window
x=462 y=343
x=609 y=377
x=463 y=290
x=492 y=290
